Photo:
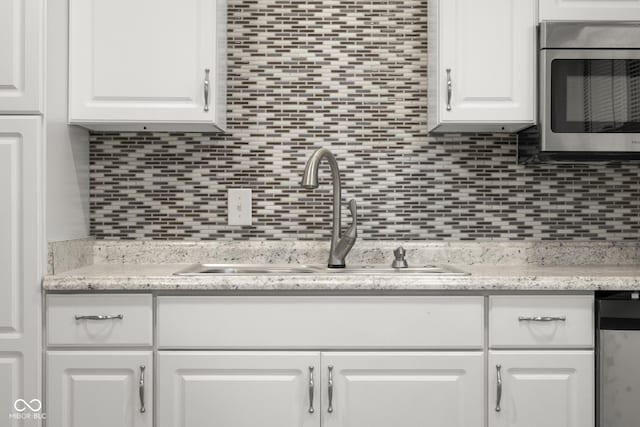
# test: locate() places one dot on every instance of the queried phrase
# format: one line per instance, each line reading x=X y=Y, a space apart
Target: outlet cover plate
x=239 y=206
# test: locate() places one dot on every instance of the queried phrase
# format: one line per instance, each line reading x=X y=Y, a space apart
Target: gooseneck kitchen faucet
x=340 y=245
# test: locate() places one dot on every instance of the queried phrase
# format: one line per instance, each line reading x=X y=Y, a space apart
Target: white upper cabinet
x=147 y=64
x=482 y=65
x=21 y=58
x=589 y=10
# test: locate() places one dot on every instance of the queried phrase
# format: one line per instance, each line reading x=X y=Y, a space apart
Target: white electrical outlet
x=239 y=206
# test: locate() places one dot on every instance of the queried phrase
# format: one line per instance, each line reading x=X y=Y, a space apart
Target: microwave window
x=595 y=96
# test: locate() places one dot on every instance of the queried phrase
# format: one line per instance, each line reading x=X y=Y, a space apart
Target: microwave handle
x=449 y=89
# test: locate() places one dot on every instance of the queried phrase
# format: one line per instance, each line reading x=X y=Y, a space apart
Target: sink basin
x=383 y=269
x=260 y=269
x=208 y=269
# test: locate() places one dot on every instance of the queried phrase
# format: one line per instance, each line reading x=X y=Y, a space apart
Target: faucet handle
x=352 y=231
x=346 y=241
x=400 y=261
x=353 y=208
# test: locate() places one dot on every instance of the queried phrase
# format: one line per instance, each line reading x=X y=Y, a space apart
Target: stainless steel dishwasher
x=618 y=359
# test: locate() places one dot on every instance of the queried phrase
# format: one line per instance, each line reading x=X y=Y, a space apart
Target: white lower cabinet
x=238 y=389
x=436 y=389
x=305 y=389
x=99 y=389
x=536 y=369
x=541 y=388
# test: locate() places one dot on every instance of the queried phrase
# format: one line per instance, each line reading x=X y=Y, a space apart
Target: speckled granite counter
x=150 y=265
x=151 y=277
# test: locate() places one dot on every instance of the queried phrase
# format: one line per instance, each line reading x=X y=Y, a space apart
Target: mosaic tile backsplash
x=349 y=76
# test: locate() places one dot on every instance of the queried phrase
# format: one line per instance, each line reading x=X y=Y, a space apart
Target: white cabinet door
x=438 y=389
x=589 y=10
x=99 y=389
x=542 y=388
x=21 y=58
x=22 y=258
x=489 y=48
x=145 y=61
x=238 y=389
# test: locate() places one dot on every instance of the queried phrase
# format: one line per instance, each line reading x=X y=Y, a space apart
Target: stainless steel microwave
x=589 y=86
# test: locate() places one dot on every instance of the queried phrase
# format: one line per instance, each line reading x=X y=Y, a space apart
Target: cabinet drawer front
x=129 y=320
x=312 y=322
x=547 y=321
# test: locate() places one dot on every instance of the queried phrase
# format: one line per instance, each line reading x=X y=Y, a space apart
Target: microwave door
x=590 y=100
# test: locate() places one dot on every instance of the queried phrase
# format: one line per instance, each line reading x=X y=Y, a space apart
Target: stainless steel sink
x=383 y=269
x=209 y=269
x=260 y=269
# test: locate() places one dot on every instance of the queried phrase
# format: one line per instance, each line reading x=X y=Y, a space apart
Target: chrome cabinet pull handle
x=449 y=89
x=206 y=89
x=141 y=389
x=311 y=389
x=330 y=389
x=101 y=317
x=542 y=318
x=499 y=388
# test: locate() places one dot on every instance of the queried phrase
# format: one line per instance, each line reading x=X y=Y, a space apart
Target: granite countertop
x=136 y=277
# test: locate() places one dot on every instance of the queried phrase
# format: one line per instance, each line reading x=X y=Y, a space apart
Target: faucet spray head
x=310 y=176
